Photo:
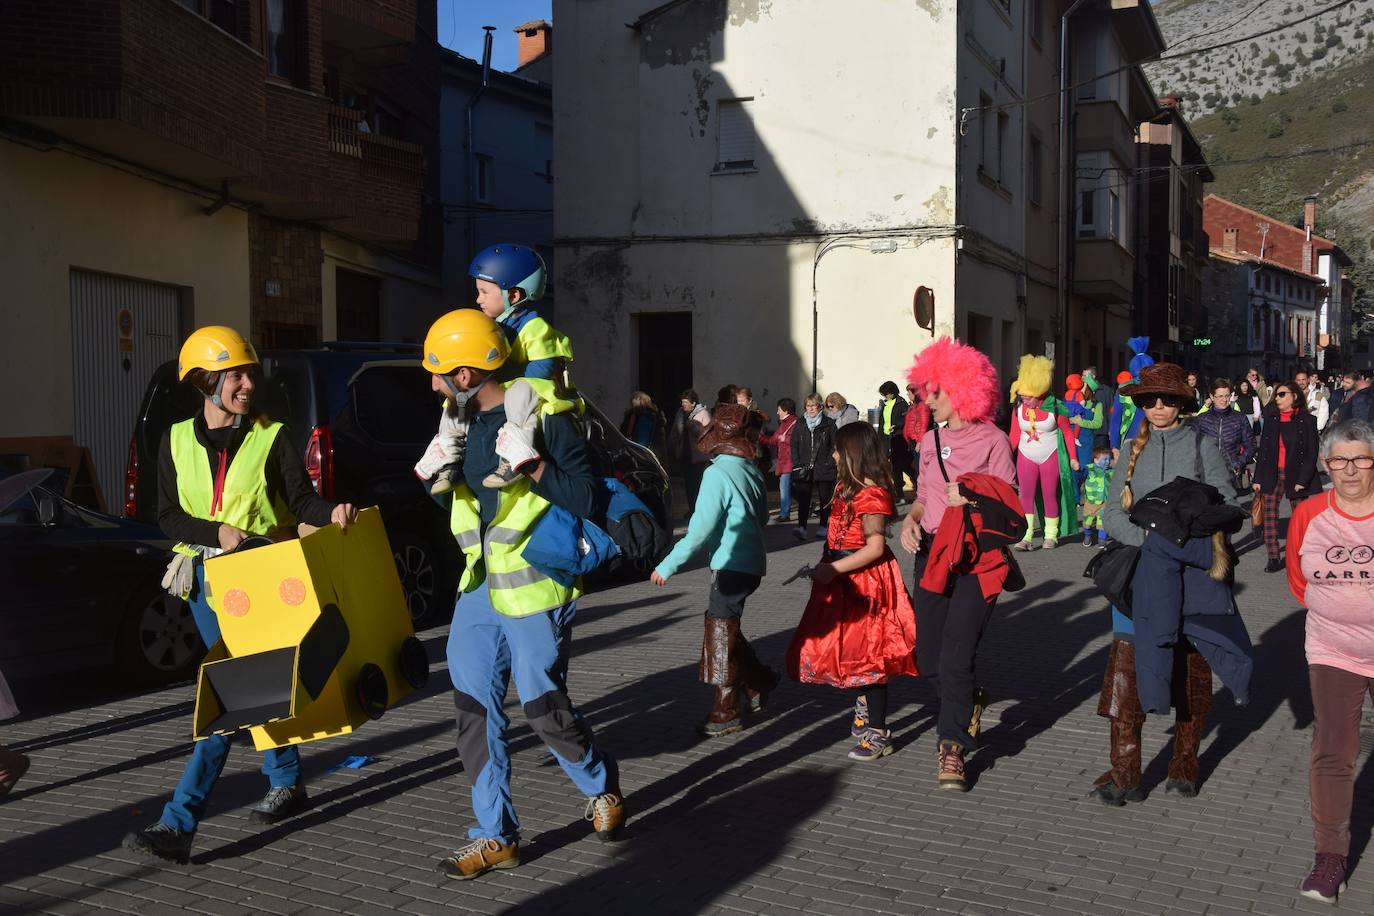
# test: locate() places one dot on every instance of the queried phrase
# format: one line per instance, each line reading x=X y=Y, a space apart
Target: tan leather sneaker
x=480 y=857
x=607 y=814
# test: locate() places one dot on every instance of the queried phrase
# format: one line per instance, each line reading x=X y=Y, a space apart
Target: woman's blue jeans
x=281 y=766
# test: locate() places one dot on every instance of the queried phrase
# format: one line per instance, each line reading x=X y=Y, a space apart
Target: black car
x=83 y=589
x=360 y=418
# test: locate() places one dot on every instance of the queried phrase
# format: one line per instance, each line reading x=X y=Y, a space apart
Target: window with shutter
x=735 y=138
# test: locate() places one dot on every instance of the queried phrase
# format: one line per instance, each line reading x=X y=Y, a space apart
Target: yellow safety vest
x=887 y=416
x=538 y=340
x=516 y=588
x=245 y=502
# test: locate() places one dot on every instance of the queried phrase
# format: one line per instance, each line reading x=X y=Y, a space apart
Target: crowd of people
x=1154 y=473
x=1130 y=467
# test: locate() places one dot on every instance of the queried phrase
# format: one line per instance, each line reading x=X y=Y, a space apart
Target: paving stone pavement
x=772 y=820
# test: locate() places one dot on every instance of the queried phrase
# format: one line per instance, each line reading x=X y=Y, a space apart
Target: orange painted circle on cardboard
x=236 y=603
x=292 y=591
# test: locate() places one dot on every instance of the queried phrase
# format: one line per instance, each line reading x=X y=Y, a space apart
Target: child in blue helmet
x=509 y=278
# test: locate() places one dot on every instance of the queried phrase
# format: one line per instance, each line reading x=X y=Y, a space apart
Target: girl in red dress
x=858 y=629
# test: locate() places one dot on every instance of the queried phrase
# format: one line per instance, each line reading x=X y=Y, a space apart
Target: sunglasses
x=1168 y=400
x=1283 y=394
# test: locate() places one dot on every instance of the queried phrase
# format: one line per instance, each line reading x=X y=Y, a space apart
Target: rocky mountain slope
x=1234 y=75
x=1274 y=134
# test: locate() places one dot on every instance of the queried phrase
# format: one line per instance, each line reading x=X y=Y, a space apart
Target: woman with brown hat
x=731 y=513
x=1150 y=681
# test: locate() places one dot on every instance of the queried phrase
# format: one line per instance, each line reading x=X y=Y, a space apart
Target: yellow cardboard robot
x=316 y=637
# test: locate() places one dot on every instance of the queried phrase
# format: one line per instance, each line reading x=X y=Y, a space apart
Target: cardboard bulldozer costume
x=316 y=637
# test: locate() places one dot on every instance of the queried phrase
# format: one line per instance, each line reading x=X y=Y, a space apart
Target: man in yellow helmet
x=224 y=475
x=512 y=619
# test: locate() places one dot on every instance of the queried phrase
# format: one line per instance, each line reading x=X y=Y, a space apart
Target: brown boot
x=720 y=668
x=1120 y=703
x=12 y=766
x=1192 y=702
x=759 y=680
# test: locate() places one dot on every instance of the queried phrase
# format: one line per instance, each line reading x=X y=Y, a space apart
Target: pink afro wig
x=963 y=373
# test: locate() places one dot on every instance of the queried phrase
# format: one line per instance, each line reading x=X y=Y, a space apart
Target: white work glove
x=443 y=452
x=180 y=576
x=516 y=445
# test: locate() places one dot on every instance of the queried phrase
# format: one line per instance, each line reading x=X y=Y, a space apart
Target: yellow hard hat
x=214 y=349
x=465 y=337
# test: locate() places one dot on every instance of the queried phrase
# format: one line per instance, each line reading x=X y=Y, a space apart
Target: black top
x=1299 y=459
x=569 y=479
x=814 y=448
x=285 y=472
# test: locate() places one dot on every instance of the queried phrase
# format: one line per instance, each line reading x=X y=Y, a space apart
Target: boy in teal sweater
x=730 y=515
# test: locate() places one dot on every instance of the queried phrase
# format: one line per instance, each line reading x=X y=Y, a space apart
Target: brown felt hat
x=734 y=431
x=1161 y=378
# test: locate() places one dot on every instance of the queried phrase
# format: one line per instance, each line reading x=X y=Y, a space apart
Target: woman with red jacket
x=780 y=441
x=958 y=386
x=1287 y=461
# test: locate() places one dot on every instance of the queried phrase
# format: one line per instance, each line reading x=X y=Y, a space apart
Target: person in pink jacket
x=1330 y=549
x=780 y=441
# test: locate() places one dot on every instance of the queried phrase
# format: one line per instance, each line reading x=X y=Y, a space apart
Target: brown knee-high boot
x=1192 y=689
x=1120 y=703
x=757 y=678
x=720 y=668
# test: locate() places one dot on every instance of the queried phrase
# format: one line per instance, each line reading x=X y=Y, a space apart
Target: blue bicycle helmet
x=511 y=266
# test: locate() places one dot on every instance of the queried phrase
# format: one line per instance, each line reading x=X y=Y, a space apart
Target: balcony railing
x=382 y=157
x=343 y=131
x=387 y=157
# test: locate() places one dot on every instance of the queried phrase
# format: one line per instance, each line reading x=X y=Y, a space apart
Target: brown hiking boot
x=480 y=857
x=607 y=814
x=980 y=705
x=951 y=772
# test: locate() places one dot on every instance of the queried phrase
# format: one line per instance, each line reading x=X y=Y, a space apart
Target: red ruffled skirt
x=857 y=631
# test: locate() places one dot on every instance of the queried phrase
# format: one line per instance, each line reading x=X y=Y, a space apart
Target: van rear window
x=395 y=404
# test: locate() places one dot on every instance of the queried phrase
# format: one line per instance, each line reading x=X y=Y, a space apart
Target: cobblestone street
x=772 y=820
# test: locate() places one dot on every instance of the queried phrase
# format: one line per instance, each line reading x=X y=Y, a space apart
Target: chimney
x=1228 y=243
x=535 y=40
x=1309 y=221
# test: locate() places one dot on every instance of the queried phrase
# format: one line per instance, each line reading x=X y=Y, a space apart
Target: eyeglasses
x=1172 y=401
x=1364 y=463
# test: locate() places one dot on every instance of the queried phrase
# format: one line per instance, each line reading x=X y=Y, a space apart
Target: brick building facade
x=238 y=163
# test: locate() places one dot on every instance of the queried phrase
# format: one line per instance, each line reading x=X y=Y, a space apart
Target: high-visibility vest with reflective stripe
x=516 y=588
x=245 y=502
x=536 y=339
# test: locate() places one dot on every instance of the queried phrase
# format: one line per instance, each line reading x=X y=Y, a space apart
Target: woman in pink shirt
x=1331 y=572
x=959 y=387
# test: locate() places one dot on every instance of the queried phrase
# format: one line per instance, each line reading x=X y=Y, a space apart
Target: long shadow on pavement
x=687 y=853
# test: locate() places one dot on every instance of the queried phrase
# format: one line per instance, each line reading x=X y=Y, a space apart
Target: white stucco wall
x=59 y=212
x=855 y=134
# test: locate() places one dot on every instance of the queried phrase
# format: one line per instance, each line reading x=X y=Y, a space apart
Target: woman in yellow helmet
x=224 y=475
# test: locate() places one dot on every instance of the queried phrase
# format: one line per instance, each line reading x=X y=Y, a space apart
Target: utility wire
x=1339 y=4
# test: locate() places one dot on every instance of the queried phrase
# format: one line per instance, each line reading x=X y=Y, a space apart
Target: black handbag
x=1112 y=571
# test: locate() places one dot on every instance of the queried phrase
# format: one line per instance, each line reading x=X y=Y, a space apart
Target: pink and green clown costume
x=1045 y=445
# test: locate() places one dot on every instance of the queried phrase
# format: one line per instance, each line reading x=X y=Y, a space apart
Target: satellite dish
x=923 y=308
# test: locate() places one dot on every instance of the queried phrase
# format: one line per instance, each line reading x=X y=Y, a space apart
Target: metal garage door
x=122 y=330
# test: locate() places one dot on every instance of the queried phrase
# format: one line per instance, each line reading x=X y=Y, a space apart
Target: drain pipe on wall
x=1065 y=190
x=471 y=170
